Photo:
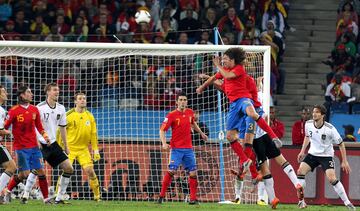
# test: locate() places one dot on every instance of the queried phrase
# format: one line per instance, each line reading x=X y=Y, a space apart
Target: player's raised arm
x=225 y=74
x=207 y=83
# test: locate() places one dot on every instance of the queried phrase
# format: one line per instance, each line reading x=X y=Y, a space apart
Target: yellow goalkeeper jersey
x=81 y=130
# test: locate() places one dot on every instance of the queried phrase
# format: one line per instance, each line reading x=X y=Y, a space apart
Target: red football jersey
x=251 y=85
x=23 y=121
x=235 y=88
x=180 y=123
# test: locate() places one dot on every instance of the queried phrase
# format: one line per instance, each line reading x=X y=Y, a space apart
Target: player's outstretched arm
x=196 y=127
x=207 y=83
x=301 y=155
x=344 y=163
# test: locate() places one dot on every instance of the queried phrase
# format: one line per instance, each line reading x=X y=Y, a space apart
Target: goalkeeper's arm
x=94 y=140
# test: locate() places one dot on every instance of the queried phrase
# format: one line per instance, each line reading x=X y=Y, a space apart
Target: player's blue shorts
x=28 y=159
x=236 y=112
x=248 y=124
x=186 y=157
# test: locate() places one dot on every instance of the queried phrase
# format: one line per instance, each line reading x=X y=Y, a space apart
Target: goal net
x=130 y=89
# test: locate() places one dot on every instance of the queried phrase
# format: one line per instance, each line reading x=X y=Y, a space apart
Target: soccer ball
x=142 y=16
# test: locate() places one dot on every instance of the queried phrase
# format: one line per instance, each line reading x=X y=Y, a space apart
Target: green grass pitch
x=149 y=206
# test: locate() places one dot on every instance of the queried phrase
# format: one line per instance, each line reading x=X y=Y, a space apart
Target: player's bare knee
x=171 y=172
x=300 y=172
x=231 y=136
x=40 y=172
x=193 y=174
x=10 y=167
x=68 y=169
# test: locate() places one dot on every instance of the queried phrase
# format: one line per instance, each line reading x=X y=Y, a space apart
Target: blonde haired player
x=81 y=131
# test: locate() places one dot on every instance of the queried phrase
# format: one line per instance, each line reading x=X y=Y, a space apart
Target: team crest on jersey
x=34 y=116
x=323 y=136
x=87 y=123
x=166 y=120
x=58 y=117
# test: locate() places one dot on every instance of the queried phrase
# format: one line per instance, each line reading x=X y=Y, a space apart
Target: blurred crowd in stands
x=342 y=93
x=245 y=22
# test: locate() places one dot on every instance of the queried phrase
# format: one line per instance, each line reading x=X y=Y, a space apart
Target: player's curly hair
x=238 y=54
x=21 y=90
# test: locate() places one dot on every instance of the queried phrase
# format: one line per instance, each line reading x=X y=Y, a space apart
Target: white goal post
x=130 y=88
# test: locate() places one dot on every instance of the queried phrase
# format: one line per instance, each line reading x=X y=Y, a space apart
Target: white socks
x=339 y=189
x=64 y=182
x=261 y=191
x=30 y=181
x=269 y=186
x=289 y=171
x=238 y=188
x=4 y=180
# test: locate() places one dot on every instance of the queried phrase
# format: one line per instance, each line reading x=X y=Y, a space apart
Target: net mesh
x=130 y=92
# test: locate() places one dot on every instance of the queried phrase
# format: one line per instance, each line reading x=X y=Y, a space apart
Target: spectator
x=350 y=47
x=62 y=27
x=204 y=38
x=39 y=27
x=337 y=91
x=210 y=20
x=276 y=125
x=230 y=23
x=9 y=33
x=298 y=128
x=251 y=34
x=196 y=137
x=347 y=25
x=270 y=25
x=189 y=24
x=273 y=14
x=22 y=26
x=347 y=11
x=166 y=32
x=103 y=31
x=337 y=58
x=253 y=12
x=355 y=89
x=54 y=35
x=349 y=133
x=5 y=12
x=183 y=38
x=166 y=13
x=79 y=31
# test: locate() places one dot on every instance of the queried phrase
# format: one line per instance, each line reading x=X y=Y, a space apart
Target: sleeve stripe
x=62 y=125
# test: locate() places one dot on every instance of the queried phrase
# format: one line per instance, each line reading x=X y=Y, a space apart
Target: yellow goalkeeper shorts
x=82 y=156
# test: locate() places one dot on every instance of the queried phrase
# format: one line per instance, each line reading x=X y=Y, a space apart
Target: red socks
x=43 y=186
x=193 y=183
x=165 y=184
x=236 y=146
x=263 y=125
x=13 y=182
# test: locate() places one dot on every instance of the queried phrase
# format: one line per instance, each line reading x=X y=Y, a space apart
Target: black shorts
x=314 y=161
x=264 y=149
x=53 y=154
x=5 y=155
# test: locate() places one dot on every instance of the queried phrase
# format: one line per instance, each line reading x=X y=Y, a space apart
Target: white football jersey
x=258 y=131
x=2 y=117
x=322 y=139
x=51 y=118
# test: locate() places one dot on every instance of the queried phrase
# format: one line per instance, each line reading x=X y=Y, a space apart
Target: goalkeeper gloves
x=96 y=155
